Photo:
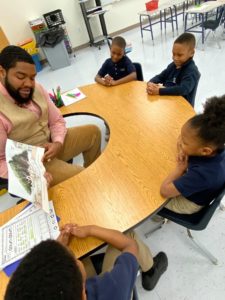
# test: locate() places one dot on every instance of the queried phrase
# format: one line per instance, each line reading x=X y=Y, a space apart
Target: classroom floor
x=190 y=276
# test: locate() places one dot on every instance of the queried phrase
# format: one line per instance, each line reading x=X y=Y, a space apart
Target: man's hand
x=51 y=150
x=48 y=178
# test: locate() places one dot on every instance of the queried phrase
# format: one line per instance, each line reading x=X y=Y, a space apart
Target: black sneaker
x=151 y=277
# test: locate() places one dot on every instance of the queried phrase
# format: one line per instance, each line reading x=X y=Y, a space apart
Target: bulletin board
x=3 y=40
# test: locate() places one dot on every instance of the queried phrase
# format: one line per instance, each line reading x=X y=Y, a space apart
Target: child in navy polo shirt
x=181 y=76
x=199 y=175
x=52 y=272
x=117 y=69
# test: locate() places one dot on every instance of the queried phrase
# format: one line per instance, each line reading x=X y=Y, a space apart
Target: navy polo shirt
x=117 y=284
x=181 y=81
x=117 y=70
x=204 y=179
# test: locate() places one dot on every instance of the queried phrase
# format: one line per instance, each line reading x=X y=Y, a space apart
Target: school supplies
x=72 y=96
x=56 y=97
x=26 y=173
x=24 y=231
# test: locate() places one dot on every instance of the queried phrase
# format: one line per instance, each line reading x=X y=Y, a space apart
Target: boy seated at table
x=181 y=76
x=199 y=175
x=118 y=69
x=50 y=270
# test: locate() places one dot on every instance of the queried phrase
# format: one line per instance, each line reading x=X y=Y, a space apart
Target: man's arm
x=57 y=129
x=110 y=236
x=3 y=138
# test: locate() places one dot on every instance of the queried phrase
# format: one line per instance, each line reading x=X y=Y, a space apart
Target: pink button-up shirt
x=56 y=124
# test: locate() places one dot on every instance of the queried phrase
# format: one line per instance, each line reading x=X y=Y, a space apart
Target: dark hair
x=10 y=55
x=48 y=272
x=211 y=123
x=186 y=38
x=119 y=41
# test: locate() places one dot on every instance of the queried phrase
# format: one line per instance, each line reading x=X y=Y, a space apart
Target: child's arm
x=160 y=78
x=186 y=85
x=132 y=76
x=100 y=80
x=110 y=236
x=168 y=188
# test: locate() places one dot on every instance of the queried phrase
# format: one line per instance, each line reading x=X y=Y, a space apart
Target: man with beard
x=27 y=115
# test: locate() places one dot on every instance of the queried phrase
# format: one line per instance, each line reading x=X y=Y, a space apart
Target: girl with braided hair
x=199 y=175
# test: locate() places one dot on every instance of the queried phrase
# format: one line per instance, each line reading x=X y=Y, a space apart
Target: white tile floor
x=190 y=276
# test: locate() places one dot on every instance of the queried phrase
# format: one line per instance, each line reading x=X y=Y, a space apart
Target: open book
x=26 y=173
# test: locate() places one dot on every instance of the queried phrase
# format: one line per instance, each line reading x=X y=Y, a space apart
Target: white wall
x=15 y=14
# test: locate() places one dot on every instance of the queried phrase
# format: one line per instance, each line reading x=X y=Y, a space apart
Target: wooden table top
x=121 y=188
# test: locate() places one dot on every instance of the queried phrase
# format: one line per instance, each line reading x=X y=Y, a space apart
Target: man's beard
x=15 y=93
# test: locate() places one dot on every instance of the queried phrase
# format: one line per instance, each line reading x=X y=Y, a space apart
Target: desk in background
x=121 y=188
x=201 y=13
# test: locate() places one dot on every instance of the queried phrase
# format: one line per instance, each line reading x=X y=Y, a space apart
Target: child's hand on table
x=64 y=236
x=76 y=230
x=153 y=88
x=108 y=80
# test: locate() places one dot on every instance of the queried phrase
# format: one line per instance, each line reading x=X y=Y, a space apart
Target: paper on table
x=27 y=229
x=26 y=173
x=72 y=96
x=10 y=269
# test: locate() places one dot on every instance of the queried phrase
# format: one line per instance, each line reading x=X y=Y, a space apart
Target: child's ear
x=192 y=52
x=206 y=151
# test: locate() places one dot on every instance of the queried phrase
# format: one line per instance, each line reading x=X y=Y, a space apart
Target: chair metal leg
x=159 y=226
x=222 y=207
x=217 y=41
x=209 y=255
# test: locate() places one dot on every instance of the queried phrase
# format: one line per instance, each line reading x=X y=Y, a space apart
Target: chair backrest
x=214 y=24
x=194 y=91
x=196 y=221
x=139 y=72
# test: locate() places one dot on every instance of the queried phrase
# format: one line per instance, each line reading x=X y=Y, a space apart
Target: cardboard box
x=3 y=40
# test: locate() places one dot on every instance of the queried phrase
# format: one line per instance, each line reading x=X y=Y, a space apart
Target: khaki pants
x=181 y=205
x=82 y=139
x=145 y=259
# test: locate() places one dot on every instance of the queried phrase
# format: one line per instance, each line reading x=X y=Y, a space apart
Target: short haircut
x=10 y=55
x=119 y=41
x=210 y=124
x=186 y=38
x=48 y=272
